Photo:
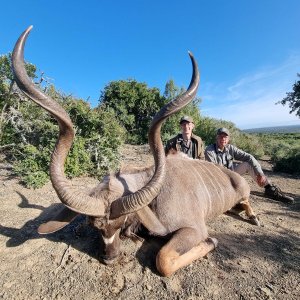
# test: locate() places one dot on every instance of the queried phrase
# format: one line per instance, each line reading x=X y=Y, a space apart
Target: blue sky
x=248 y=51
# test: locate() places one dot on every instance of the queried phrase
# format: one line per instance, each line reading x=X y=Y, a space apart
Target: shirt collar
x=221 y=151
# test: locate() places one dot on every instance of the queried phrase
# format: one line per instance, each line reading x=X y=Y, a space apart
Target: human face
x=222 y=140
x=186 y=129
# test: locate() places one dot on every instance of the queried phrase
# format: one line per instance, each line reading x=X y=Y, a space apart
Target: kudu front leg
x=184 y=247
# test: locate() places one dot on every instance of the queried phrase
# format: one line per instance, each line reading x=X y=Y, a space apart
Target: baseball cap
x=223 y=130
x=186 y=119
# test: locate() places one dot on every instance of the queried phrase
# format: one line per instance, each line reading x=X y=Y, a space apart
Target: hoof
x=253 y=220
x=214 y=241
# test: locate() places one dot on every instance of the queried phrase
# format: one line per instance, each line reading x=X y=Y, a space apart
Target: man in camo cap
x=186 y=141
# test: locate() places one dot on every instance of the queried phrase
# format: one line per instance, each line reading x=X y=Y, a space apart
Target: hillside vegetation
x=275 y=129
x=123 y=115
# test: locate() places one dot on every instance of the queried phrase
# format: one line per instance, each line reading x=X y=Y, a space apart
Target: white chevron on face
x=109 y=240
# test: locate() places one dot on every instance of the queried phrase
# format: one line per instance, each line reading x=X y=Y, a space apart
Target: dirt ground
x=250 y=262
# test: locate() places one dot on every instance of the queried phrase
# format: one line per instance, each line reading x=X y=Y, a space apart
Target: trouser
x=246 y=168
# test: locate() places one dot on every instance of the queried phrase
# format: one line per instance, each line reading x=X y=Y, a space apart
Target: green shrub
x=78 y=161
x=287 y=159
x=283 y=149
x=95 y=150
x=134 y=105
x=104 y=153
x=35 y=179
x=288 y=164
x=250 y=143
x=207 y=129
x=32 y=165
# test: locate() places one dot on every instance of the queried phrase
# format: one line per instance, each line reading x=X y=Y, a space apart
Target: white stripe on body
x=217 y=184
x=222 y=180
x=198 y=176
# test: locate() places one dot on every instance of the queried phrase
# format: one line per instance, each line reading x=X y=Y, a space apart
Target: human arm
x=241 y=155
x=210 y=154
x=261 y=180
x=200 y=154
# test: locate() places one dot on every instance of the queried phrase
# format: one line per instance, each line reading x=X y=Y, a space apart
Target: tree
x=171 y=126
x=207 y=128
x=28 y=133
x=134 y=105
x=293 y=99
x=11 y=126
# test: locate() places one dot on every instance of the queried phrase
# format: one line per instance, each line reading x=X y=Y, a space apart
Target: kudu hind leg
x=182 y=249
x=245 y=205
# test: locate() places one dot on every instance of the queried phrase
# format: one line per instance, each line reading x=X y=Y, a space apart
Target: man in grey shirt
x=225 y=154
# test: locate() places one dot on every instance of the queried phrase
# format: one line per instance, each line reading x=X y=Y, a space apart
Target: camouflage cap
x=186 y=119
x=223 y=130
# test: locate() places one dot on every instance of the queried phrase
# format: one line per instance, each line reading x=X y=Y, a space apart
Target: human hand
x=261 y=180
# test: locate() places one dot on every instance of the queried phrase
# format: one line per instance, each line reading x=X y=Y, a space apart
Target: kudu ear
x=64 y=217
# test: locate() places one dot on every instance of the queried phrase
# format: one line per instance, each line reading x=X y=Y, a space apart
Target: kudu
x=174 y=198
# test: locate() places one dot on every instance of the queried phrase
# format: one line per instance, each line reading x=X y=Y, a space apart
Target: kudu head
x=107 y=209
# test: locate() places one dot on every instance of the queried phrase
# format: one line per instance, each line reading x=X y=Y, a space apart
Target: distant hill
x=276 y=129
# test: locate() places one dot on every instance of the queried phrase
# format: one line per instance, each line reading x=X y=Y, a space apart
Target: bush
x=95 y=150
x=284 y=150
x=31 y=165
x=250 y=143
x=287 y=159
x=288 y=165
x=78 y=161
x=35 y=180
x=134 y=105
x=207 y=128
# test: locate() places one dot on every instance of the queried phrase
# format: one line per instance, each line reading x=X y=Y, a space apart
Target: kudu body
x=174 y=198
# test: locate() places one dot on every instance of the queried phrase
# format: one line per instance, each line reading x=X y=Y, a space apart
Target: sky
x=248 y=51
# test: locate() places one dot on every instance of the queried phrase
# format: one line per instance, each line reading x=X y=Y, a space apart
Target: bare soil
x=250 y=262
